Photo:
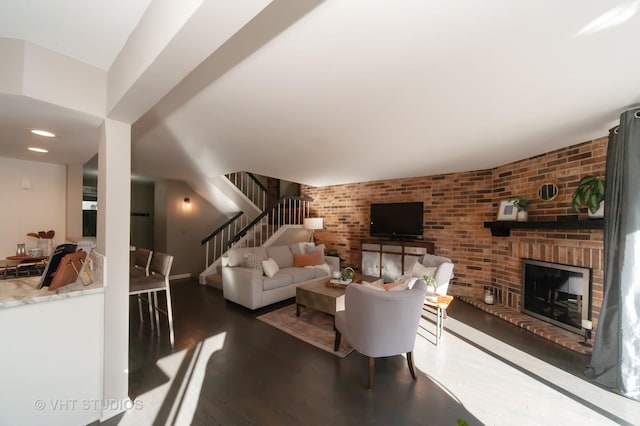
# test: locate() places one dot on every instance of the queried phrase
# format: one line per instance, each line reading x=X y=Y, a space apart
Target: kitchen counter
x=23 y=291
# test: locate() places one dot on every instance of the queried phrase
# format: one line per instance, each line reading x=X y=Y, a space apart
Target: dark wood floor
x=262 y=376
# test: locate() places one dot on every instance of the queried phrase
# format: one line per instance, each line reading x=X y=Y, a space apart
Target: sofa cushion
x=253 y=261
x=281 y=279
x=282 y=255
x=316 y=249
x=299 y=275
x=307 y=259
x=420 y=271
x=431 y=260
x=270 y=267
x=237 y=255
x=299 y=248
x=322 y=270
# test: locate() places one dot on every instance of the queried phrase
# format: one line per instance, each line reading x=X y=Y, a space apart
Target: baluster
x=206 y=255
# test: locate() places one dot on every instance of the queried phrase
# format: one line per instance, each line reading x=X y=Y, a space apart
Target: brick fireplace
x=456 y=207
x=578 y=248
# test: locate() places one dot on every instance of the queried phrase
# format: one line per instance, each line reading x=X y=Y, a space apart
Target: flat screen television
x=397 y=220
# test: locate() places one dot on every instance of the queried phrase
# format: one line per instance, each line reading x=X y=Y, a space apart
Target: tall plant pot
x=599 y=213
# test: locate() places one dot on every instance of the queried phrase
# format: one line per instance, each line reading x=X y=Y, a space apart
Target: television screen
x=397 y=220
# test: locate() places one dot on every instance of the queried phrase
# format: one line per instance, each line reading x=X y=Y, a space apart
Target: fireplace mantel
x=503 y=228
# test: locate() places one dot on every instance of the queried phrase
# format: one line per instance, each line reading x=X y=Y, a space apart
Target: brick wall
x=456 y=206
x=565 y=167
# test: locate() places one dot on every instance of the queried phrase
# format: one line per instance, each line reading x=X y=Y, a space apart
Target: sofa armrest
x=333 y=262
x=243 y=286
x=444 y=273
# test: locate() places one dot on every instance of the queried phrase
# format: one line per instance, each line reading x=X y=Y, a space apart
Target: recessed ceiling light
x=43 y=133
x=37 y=149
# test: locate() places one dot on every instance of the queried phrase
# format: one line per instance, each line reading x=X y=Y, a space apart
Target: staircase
x=241 y=231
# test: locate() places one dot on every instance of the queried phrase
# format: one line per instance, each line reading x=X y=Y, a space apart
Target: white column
x=74 y=200
x=114 y=188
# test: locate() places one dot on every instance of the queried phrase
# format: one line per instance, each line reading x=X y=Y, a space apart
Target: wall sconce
x=186 y=204
x=313 y=223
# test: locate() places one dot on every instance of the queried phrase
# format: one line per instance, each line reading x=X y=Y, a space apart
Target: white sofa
x=251 y=288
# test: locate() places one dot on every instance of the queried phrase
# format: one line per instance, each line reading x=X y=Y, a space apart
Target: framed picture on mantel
x=507 y=210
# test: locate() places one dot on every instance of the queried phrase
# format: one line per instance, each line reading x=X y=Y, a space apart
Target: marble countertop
x=22 y=291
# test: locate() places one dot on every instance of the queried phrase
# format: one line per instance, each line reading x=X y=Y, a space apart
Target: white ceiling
x=360 y=90
x=93 y=31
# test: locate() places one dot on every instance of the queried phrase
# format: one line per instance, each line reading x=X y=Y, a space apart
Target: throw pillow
x=395 y=286
x=253 y=261
x=323 y=266
x=373 y=286
x=281 y=254
x=317 y=249
x=419 y=271
x=270 y=267
x=301 y=260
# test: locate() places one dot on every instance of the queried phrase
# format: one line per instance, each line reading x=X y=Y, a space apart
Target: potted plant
x=590 y=193
x=521 y=204
x=430 y=282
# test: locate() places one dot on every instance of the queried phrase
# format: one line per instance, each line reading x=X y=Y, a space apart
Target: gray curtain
x=615 y=362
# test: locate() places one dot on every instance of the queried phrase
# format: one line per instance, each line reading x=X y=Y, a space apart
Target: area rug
x=312 y=326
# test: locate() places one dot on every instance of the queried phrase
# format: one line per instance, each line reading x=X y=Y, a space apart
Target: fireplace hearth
x=556 y=293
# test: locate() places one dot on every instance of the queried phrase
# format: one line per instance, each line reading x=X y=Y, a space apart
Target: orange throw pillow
x=389 y=286
x=307 y=259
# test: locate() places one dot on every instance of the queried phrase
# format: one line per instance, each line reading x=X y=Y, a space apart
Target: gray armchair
x=444 y=273
x=381 y=323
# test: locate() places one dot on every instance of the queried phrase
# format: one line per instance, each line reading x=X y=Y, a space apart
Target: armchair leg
x=372 y=362
x=411 y=367
x=336 y=343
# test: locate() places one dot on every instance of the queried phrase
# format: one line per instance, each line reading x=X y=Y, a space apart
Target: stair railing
x=251 y=187
x=287 y=210
x=216 y=243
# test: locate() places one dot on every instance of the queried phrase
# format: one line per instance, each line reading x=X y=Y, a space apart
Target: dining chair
x=140 y=268
x=155 y=282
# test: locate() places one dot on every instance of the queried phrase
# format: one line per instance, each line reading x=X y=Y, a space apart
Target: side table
x=440 y=306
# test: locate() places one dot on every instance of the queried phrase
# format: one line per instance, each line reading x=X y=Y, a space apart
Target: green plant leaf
x=589 y=192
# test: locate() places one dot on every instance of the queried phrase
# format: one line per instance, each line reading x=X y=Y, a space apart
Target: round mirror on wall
x=548 y=191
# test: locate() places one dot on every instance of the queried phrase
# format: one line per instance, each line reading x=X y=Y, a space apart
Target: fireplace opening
x=556 y=293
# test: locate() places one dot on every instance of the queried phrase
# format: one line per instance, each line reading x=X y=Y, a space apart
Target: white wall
x=40 y=208
x=74 y=200
x=142 y=214
x=60 y=80
x=183 y=228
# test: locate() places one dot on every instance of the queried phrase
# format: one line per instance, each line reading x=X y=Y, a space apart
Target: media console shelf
x=503 y=228
x=388 y=259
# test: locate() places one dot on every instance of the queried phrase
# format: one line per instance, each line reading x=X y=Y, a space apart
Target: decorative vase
x=599 y=213
x=431 y=288
x=47 y=245
x=21 y=250
x=488 y=297
x=522 y=216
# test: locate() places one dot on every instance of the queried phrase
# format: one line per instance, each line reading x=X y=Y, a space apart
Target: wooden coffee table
x=319 y=296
